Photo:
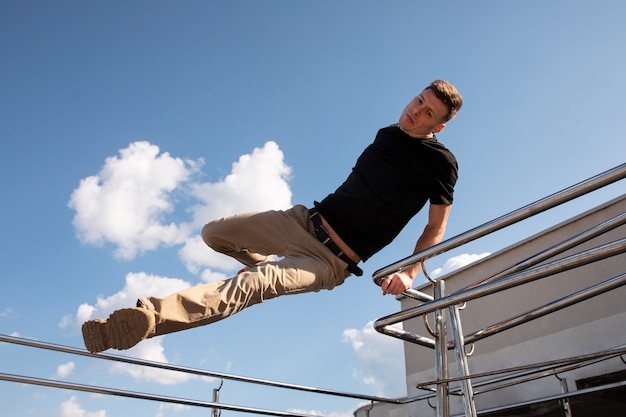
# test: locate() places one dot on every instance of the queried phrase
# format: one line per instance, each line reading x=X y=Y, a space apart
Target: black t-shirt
x=392 y=180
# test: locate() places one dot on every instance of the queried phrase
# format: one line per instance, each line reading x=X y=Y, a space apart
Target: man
x=319 y=247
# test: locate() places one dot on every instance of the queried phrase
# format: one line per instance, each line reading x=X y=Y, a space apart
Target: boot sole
x=129 y=326
x=95 y=335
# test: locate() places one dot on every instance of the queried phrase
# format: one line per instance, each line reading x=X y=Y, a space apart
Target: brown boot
x=123 y=329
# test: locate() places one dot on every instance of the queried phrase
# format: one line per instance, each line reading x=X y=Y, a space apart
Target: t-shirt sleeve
x=444 y=192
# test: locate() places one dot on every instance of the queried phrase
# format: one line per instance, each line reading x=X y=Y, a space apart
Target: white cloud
x=257 y=182
x=210 y=276
x=137 y=285
x=174 y=407
x=196 y=255
x=125 y=204
x=151 y=350
x=65 y=369
x=71 y=408
x=457 y=262
x=322 y=413
x=126 y=201
x=7 y=313
x=381 y=359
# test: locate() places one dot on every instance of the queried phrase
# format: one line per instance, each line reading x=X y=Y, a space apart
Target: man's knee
x=217 y=236
x=208 y=234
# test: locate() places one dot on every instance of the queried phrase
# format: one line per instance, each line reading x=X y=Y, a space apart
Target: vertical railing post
x=565 y=401
x=456 y=329
x=441 y=349
x=216 y=399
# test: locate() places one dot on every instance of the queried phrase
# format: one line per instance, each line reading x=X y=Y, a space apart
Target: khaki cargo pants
x=304 y=265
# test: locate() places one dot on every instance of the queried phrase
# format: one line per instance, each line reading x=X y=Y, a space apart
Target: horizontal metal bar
x=535 y=367
x=556 y=397
x=546 y=309
x=534 y=374
x=546 y=372
x=558 y=198
x=556 y=249
x=142 y=396
x=418 y=295
x=193 y=371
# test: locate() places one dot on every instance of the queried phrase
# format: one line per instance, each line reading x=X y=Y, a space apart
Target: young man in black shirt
x=319 y=247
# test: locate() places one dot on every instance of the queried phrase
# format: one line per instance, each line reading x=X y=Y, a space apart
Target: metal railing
x=384 y=324
x=544 y=370
x=523 y=272
x=192 y=371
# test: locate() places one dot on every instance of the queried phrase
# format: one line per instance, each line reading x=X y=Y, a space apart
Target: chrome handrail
x=142 y=395
x=584 y=187
x=192 y=371
x=383 y=325
x=522 y=272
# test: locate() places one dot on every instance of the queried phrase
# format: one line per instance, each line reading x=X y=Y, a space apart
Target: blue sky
x=126 y=125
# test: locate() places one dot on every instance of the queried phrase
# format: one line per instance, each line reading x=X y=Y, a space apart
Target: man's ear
x=439 y=128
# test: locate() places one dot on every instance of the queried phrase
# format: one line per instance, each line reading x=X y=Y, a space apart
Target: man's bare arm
x=432 y=234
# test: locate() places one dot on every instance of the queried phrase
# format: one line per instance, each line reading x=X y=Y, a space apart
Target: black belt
x=322 y=235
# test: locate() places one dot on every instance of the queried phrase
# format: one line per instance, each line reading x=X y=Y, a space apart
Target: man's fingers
x=385 y=285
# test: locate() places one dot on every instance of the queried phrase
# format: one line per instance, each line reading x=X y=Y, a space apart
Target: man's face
x=423 y=115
